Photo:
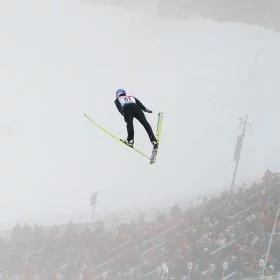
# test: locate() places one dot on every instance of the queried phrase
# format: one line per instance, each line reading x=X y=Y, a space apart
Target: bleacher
x=225 y=236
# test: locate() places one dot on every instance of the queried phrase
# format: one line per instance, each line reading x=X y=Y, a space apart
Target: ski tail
x=158 y=137
x=159 y=126
x=102 y=128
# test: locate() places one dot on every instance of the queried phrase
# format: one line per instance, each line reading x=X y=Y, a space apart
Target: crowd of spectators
x=223 y=237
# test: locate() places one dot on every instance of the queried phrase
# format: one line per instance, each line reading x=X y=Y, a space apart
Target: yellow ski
x=113 y=136
x=158 y=136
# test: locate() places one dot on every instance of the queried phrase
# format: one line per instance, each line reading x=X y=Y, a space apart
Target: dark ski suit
x=130 y=107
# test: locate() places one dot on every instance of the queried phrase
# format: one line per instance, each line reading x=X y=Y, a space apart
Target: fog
x=62 y=58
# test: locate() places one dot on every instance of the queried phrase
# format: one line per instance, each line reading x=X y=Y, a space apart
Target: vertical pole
x=93 y=213
x=234 y=175
x=270 y=242
x=238 y=159
x=93 y=204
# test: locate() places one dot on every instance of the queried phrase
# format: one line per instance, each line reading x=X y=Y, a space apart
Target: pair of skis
x=153 y=157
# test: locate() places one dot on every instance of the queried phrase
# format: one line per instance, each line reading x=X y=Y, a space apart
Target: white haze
x=62 y=58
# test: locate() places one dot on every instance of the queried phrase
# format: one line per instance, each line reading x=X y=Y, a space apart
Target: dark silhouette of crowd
x=222 y=237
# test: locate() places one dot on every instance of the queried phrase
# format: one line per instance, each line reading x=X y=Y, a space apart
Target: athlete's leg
x=140 y=116
x=128 y=117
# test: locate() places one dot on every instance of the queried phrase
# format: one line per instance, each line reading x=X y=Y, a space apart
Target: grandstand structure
x=232 y=235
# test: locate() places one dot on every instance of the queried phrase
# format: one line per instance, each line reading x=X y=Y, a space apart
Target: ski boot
x=155 y=145
x=129 y=143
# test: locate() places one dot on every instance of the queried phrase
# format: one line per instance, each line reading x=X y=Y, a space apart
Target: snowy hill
x=262 y=13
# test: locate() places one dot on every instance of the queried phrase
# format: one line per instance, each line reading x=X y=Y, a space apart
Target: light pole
x=238 y=149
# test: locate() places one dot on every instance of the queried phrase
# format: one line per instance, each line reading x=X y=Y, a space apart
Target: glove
x=148 y=111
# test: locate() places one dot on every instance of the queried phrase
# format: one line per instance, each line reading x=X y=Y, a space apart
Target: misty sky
x=62 y=58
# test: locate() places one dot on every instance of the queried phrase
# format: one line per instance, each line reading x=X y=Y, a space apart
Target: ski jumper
x=130 y=107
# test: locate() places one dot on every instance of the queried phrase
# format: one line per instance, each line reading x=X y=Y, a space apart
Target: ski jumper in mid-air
x=130 y=107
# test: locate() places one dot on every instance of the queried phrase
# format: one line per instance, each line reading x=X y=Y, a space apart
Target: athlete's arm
x=119 y=106
x=142 y=106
